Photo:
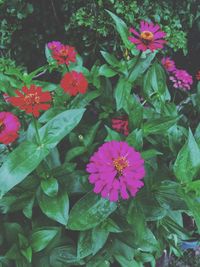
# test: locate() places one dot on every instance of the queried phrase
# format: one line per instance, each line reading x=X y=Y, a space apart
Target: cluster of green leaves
x=49 y=215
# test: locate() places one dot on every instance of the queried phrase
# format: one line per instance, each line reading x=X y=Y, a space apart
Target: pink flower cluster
x=64 y=54
x=180 y=78
x=116 y=169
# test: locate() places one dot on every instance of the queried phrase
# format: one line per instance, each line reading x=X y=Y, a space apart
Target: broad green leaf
x=90 y=211
x=82 y=100
x=158 y=126
x=64 y=256
x=140 y=66
x=84 y=247
x=193 y=206
x=106 y=71
x=187 y=163
x=48 y=55
x=90 y=136
x=27 y=156
x=49 y=186
x=110 y=59
x=122 y=29
x=42 y=237
x=135 y=139
x=75 y=152
x=122 y=93
x=56 y=208
x=27 y=253
x=112 y=135
x=127 y=263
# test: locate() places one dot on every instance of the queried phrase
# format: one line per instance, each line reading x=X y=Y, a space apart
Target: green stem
x=36 y=130
x=9 y=148
x=136 y=62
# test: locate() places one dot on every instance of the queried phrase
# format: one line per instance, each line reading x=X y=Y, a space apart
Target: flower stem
x=136 y=62
x=36 y=130
x=9 y=148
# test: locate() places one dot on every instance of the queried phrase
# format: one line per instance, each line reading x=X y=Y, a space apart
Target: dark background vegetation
x=26 y=26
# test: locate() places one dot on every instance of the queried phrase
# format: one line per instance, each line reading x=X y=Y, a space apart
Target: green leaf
x=90 y=136
x=84 y=247
x=112 y=135
x=187 y=163
x=90 y=211
x=122 y=93
x=126 y=263
x=75 y=152
x=158 y=126
x=141 y=66
x=21 y=162
x=27 y=156
x=106 y=71
x=194 y=207
x=64 y=256
x=48 y=55
x=82 y=100
x=110 y=59
x=122 y=29
x=27 y=253
x=42 y=237
x=56 y=208
x=50 y=186
x=135 y=139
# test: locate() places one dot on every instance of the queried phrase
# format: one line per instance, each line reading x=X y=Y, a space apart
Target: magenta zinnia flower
x=181 y=79
x=116 y=169
x=168 y=64
x=150 y=37
x=9 y=127
x=54 y=45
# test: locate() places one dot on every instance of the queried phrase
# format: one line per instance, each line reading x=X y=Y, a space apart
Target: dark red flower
x=198 y=76
x=9 y=127
x=31 y=100
x=74 y=82
x=64 y=54
x=120 y=124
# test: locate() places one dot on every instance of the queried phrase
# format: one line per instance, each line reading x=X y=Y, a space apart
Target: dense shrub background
x=26 y=26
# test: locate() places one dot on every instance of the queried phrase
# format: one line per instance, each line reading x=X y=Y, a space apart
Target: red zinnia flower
x=120 y=124
x=64 y=54
x=74 y=83
x=31 y=100
x=198 y=76
x=150 y=37
x=9 y=127
x=168 y=64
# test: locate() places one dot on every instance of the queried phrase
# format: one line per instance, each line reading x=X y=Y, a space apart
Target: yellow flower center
x=120 y=164
x=2 y=126
x=146 y=36
x=32 y=99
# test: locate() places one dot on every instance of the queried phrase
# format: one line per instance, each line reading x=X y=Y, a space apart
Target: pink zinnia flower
x=150 y=37
x=168 y=64
x=116 y=169
x=9 y=127
x=54 y=45
x=181 y=79
x=64 y=54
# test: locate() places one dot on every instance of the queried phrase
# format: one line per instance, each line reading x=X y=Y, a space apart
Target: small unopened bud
x=80 y=137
